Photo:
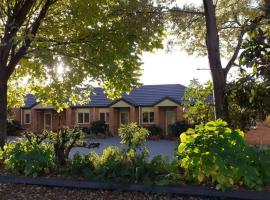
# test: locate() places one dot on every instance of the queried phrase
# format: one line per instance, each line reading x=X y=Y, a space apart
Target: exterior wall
x=69 y=116
x=16 y=114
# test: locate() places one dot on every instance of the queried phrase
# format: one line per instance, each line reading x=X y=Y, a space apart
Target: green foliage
x=93 y=40
x=63 y=141
x=233 y=17
x=99 y=127
x=133 y=136
x=126 y=164
x=255 y=54
x=13 y=126
x=215 y=153
x=179 y=127
x=154 y=130
x=198 y=103
x=81 y=165
x=248 y=99
x=30 y=159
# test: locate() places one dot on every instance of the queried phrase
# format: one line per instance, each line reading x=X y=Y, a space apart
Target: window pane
x=48 y=119
x=102 y=117
x=124 y=118
x=80 y=118
x=151 y=117
x=86 y=117
x=145 y=117
x=27 y=118
x=107 y=117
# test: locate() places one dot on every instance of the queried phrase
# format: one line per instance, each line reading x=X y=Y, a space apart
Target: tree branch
x=236 y=52
x=28 y=38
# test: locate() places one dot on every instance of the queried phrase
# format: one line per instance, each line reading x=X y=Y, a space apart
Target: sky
x=163 y=67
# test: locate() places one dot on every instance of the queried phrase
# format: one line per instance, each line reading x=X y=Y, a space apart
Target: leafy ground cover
x=25 y=192
x=211 y=154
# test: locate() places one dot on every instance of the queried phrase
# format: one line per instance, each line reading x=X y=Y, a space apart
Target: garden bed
x=25 y=192
x=183 y=190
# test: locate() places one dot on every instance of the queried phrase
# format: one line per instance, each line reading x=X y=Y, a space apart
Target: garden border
x=191 y=190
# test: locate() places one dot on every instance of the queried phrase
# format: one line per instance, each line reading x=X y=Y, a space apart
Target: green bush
x=81 y=165
x=99 y=127
x=63 y=141
x=30 y=159
x=126 y=164
x=215 y=153
x=179 y=127
x=112 y=165
x=154 y=130
x=132 y=136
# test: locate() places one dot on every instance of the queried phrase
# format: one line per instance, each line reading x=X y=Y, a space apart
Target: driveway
x=159 y=147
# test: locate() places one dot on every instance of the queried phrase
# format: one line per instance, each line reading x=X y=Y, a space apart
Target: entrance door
x=170 y=119
x=48 y=120
x=124 y=117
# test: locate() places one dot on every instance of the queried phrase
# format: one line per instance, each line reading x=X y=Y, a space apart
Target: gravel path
x=26 y=192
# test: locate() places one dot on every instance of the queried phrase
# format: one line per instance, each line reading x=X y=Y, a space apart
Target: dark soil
x=27 y=192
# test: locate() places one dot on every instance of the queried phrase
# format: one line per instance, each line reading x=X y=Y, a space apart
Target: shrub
x=13 y=126
x=63 y=141
x=133 y=136
x=30 y=159
x=154 y=130
x=99 y=127
x=81 y=165
x=179 y=127
x=213 y=152
x=112 y=165
x=86 y=130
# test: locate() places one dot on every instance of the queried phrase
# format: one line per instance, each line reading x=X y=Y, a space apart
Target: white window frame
x=51 y=120
x=105 y=114
x=27 y=112
x=83 y=112
x=148 y=117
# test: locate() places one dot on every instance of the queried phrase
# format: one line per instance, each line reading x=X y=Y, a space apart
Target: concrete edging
x=129 y=187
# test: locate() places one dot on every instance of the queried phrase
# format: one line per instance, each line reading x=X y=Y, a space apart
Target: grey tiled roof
x=146 y=95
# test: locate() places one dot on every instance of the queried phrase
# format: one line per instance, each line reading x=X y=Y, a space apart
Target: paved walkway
x=159 y=147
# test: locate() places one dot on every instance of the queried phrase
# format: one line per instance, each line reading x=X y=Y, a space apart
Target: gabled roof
x=146 y=95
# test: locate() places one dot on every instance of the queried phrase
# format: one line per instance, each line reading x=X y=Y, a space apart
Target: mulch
x=27 y=192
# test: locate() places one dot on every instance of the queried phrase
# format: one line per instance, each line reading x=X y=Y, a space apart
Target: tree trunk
x=3 y=111
x=217 y=72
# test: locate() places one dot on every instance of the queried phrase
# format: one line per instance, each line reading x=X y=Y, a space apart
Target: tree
x=91 y=40
x=198 y=102
x=224 y=26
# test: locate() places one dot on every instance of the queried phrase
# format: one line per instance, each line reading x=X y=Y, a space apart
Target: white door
x=47 y=120
x=124 y=117
x=170 y=119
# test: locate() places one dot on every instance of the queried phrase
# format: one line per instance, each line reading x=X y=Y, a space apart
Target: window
x=104 y=116
x=27 y=117
x=83 y=117
x=148 y=117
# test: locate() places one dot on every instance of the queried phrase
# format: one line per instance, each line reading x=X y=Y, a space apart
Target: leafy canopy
x=197 y=102
x=232 y=18
x=96 y=41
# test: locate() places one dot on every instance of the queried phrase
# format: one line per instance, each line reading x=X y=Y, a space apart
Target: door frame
x=46 y=113
x=126 y=112
x=166 y=120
